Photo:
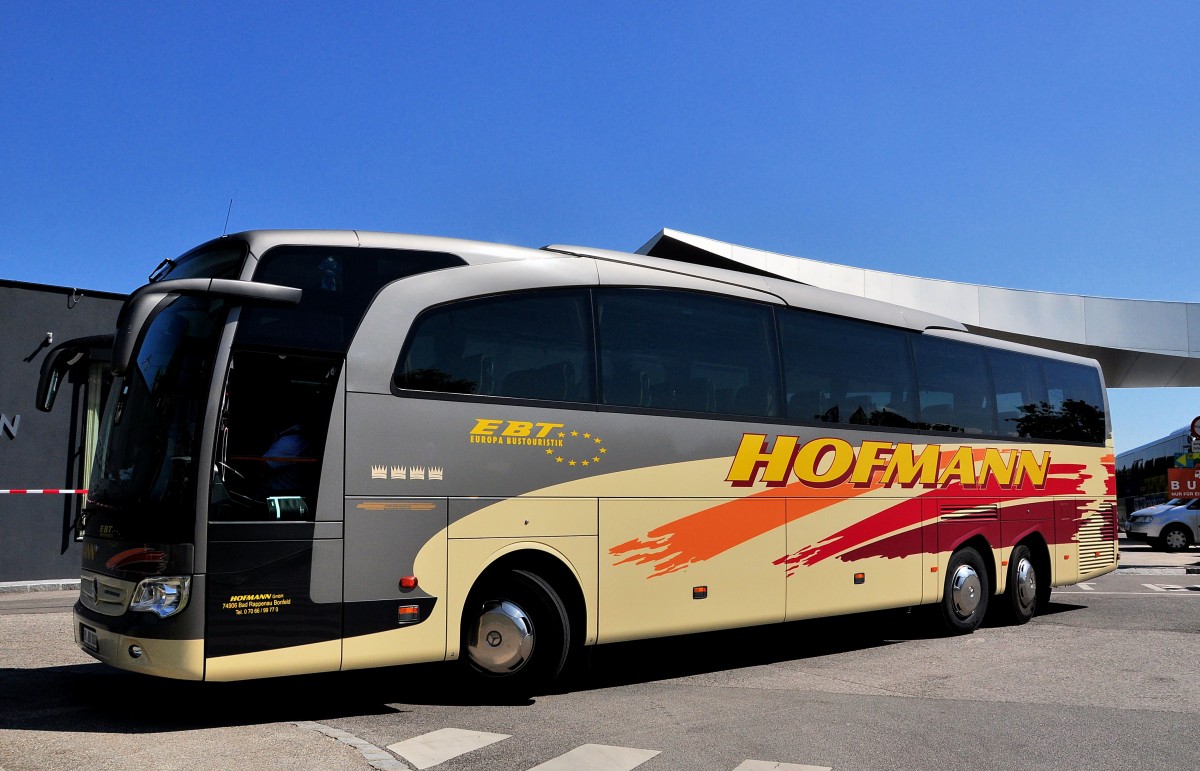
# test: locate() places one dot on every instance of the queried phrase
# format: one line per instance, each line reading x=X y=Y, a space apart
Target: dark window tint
x=338 y=283
x=843 y=371
x=673 y=350
x=1020 y=387
x=956 y=393
x=221 y=259
x=528 y=346
x=274 y=420
x=1073 y=409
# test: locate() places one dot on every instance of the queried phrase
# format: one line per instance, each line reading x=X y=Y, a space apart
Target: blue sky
x=1048 y=146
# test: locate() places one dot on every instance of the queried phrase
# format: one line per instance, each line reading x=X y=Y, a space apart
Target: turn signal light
x=408 y=582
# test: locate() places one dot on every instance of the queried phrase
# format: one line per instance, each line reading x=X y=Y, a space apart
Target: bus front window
x=148 y=456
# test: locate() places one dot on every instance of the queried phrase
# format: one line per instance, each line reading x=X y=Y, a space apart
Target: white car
x=1170 y=526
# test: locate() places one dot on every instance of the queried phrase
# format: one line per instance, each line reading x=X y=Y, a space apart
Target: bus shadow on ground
x=94 y=698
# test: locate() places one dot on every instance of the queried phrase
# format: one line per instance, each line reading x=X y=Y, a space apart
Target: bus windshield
x=148 y=455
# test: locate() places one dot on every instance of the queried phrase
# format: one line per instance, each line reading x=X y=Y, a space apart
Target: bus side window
x=530 y=345
x=683 y=351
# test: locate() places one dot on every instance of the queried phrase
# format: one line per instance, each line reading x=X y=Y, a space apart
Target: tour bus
x=328 y=450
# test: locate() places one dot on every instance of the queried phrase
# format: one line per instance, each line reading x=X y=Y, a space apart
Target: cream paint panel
x=827 y=588
x=1066 y=563
x=300 y=660
x=418 y=644
x=469 y=557
x=529 y=517
x=177 y=659
x=414 y=644
x=745 y=587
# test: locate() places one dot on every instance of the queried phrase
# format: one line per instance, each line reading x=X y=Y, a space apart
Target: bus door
x=274 y=562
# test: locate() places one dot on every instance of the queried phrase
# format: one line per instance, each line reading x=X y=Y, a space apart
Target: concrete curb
x=1189 y=570
x=20 y=587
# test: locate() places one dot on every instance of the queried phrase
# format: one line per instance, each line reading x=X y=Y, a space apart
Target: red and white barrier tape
x=43 y=492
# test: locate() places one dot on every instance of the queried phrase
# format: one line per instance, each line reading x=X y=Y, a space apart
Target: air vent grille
x=1098 y=540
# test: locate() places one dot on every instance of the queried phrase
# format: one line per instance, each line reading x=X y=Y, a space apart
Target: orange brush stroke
x=707 y=533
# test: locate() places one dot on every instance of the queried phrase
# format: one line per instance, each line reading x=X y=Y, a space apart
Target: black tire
x=525 y=630
x=1023 y=589
x=1174 y=538
x=965 y=592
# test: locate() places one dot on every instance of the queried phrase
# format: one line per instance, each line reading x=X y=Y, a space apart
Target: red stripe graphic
x=710 y=532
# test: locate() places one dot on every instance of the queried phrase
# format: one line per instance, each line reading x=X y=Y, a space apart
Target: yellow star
x=572 y=463
x=574 y=433
x=587 y=436
x=558 y=460
x=603 y=449
x=550 y=452
x=561 y=434
x=596 y=440
x=586 y=463
x=596 y=459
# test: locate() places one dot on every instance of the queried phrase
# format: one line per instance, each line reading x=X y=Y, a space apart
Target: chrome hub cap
x=502 y=638
x=965 y=591
x=1026 y=584
x=1176 y=539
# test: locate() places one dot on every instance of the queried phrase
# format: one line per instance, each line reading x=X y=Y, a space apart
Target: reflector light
x=699 y=592
x=933 y=569
x=860 y=578
x=408 y=582
x=406 y=614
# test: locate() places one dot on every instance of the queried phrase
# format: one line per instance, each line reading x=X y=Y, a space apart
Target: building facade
x=49 y=451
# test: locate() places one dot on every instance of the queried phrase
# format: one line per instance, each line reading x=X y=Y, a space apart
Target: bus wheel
x=965 y=595
x=1021 y=598
x=515 y=631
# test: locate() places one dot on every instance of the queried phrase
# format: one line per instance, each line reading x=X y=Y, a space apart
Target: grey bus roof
x=761 y=284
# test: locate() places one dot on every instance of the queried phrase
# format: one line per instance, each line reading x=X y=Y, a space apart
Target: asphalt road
x=1107 y=678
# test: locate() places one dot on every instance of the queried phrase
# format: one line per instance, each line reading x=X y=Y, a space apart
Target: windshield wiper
x=159 y=273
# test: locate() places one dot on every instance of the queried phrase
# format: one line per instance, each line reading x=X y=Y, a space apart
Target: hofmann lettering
x=828 y=462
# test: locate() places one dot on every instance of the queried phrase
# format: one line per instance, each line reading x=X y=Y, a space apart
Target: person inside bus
x=285 y=473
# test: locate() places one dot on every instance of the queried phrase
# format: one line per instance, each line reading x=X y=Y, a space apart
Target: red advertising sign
x=1183 y=482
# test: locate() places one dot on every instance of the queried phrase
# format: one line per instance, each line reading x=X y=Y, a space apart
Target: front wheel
x=515 y=631
x=965 y=594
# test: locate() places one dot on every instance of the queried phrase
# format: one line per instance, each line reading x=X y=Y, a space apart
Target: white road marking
x=429 y=749
x=1155 y=587
x=766 y=765
x=597 y=757
x=1086 y=587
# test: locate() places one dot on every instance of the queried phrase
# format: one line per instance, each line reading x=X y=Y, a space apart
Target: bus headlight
x=163 y=596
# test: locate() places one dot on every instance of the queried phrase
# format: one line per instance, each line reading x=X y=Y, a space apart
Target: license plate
x=87 y=636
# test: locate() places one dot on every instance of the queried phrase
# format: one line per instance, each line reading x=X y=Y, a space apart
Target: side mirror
x=59 y=361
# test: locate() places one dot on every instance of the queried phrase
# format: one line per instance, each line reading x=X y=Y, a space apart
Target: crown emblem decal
x=400 y=472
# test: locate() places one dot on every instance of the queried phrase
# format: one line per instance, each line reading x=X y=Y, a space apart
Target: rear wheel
x=1022 y=597
x=1175 y=538
x=515 y=632
x=965 y=594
